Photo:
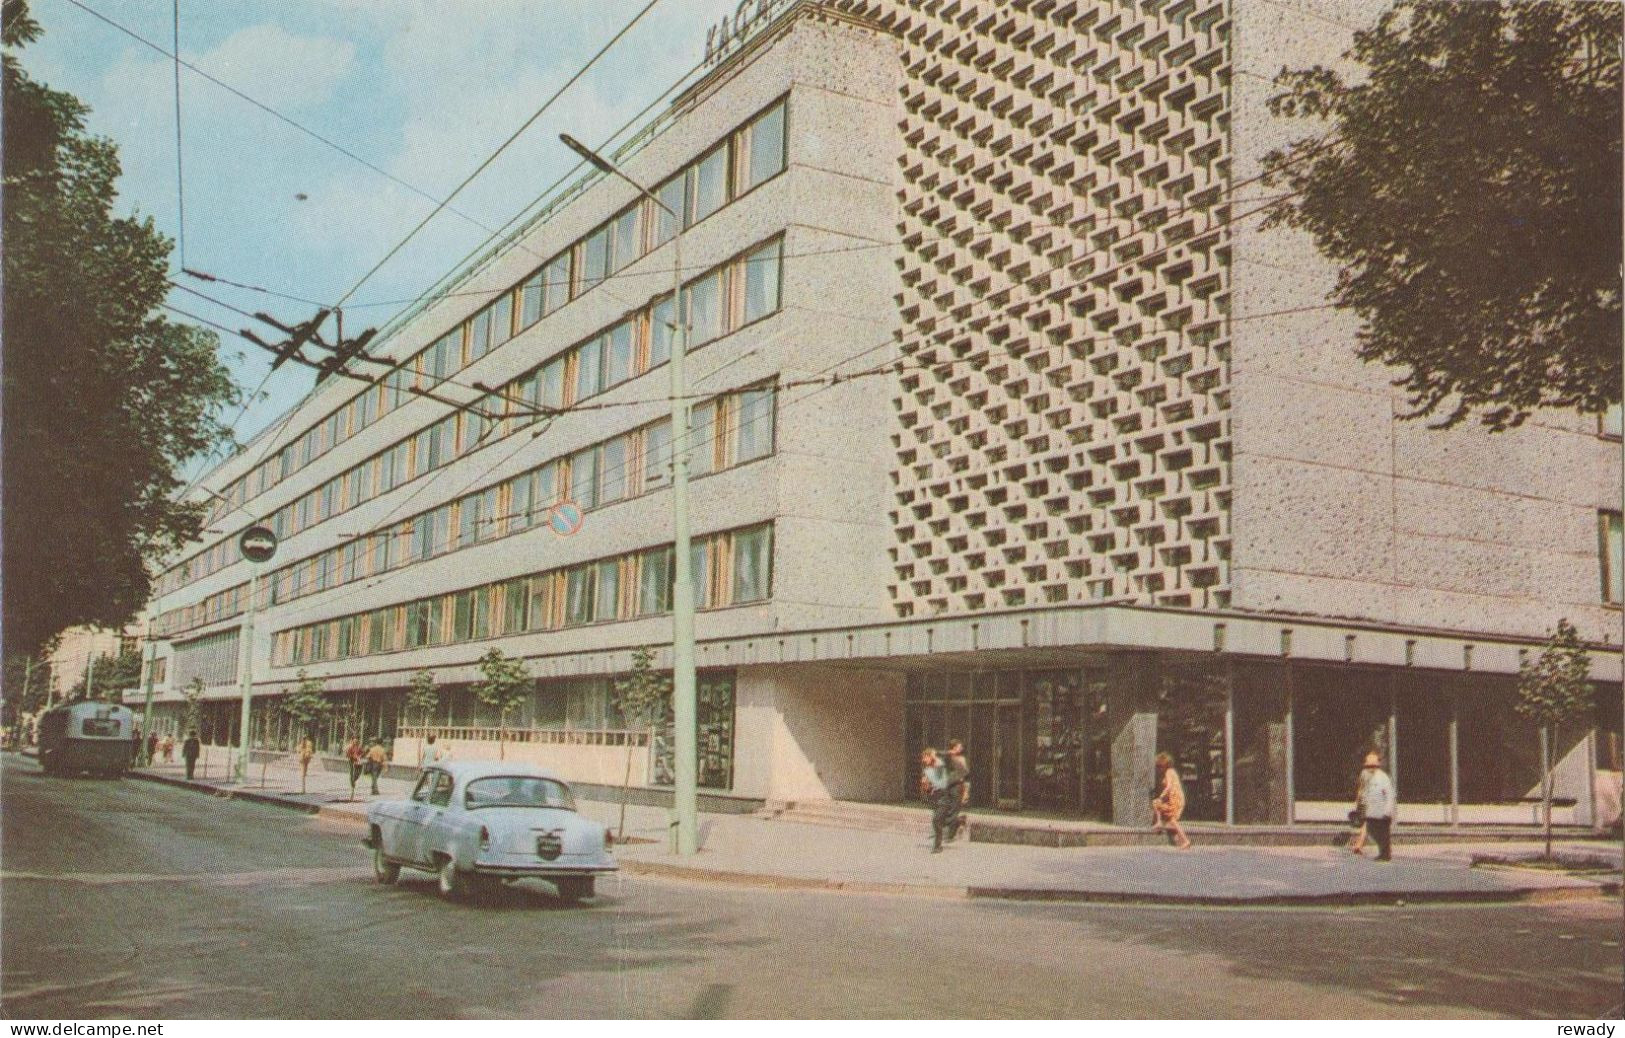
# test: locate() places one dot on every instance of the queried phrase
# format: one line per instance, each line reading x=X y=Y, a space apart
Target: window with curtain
x=766 y=147
x=702 y=438
x=671 y=196
x=609 y=590
x=584 y=478
x=502 y=319
x=699 y=569
x=612 y=458
x=589 y=368
x=479 y=335
x=594 y=252
x=754 y=436
x=656 y=455
x=1612 y=528
x=626 y=238
x=654 y=582
x=762 y=282
x=703 y=308
x=618 y=349
x=752 y=563
x=553 y=382
x=708 y=185
x=530 y=300
x=578 y=595
x=556 y=283
x=660 y=329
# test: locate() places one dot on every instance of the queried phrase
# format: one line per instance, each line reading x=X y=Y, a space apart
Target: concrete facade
x=1069 y=457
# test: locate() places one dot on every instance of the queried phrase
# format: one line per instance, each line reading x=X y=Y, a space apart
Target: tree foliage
x=422 y=696
x=1553 y=688
x=505 y=685
x=192 y=693
x=306 y=703
x=104 y=400
x=1469 y=186
x=110 y=677
x=640 y=695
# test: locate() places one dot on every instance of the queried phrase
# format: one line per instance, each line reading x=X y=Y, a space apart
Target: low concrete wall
x=575 y=763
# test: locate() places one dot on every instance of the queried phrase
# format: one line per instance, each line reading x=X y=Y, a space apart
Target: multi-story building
x=1010 y=423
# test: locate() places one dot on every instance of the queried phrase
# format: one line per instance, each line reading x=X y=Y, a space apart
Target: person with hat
x=1377 y=804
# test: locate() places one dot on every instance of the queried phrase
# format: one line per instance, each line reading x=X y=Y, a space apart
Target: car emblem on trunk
x=549 y=845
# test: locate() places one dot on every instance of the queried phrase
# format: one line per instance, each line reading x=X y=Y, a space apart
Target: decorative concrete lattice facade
x=1063 y=414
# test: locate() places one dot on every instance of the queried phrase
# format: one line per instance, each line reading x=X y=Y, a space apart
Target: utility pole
x=245 y=669
x=152 y=667
x=685 y=711
x=90 y=674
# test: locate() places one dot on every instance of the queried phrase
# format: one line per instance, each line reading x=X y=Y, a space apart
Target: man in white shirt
x=1377 y=804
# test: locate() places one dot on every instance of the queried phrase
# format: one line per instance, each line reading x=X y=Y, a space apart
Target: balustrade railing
x=544 y=736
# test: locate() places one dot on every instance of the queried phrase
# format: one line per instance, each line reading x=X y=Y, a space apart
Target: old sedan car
x=477 y=824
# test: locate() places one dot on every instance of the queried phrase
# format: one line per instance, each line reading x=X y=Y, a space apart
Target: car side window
x=420 y=792
x=441 y=796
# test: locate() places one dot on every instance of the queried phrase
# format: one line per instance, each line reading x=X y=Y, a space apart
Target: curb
x=774 y=881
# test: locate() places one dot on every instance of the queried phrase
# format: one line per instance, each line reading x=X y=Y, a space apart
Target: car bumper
x=519 y=865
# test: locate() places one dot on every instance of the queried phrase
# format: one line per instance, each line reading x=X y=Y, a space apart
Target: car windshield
x=517 y=791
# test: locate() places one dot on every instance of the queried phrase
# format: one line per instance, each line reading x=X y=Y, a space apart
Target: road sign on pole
x=257 y=544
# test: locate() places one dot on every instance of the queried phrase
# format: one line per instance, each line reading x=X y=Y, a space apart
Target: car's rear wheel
x=453 y=884
x=383 y=870
x=574 y=888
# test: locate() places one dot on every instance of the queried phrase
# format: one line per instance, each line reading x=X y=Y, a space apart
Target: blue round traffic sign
x=565 y=519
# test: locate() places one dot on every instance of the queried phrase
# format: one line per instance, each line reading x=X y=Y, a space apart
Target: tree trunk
x=502 y=738
x=626 y=784
x=1546 y=784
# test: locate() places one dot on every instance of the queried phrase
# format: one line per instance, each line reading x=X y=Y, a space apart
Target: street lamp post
x=245 y=667
x=685 y=727
x=152 y=666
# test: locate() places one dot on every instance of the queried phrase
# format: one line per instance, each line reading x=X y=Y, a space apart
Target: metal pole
x=1455 y=759
x=1229 y=746
x=685 y=707
x=245 y=667
x=1291 y=751
x=90 y=674
x=152 y=665
x=685 y=796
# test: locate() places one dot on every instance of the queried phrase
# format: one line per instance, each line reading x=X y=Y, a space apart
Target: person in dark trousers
x=958 y=787
x=152 y=748
x=135 y=748
x=934 y=787
x=1377 y=805
x=190 y=750
x=376 y=756
x=353 y=753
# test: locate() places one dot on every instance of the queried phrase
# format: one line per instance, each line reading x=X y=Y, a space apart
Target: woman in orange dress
x=1169 y=803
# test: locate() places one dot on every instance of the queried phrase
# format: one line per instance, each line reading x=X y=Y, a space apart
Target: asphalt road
x=130 y=899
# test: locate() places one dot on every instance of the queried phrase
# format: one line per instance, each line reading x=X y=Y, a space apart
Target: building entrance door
x=1007 y=757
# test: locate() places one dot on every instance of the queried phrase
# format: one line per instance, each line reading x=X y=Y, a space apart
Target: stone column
x=1131 y=713
x=1262 y=757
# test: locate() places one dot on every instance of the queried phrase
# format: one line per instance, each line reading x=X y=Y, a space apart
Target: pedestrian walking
x=135 y=747
x=433 y=752
x=934 y=787
x=1168 y=803
x=1377 y=804
x=354 y=754
x=376 y=756
x=169 y=747
x=152 y=747
x=1362 y=832
x=958 y=788
x=307 y=753
x=190 y=750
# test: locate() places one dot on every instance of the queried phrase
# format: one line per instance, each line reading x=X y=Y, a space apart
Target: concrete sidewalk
x=749 y=850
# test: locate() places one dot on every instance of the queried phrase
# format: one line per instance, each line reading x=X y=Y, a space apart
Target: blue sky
x=424 y=89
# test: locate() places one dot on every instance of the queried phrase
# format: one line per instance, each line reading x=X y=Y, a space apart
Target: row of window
x=1611 y=534
x=728 y=430
x=724 y=299
x=750 y=155
x=731 y=568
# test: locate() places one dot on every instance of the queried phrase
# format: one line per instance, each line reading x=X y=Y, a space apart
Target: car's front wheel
x=383 y=870
x=453 y=884
x=574 y=888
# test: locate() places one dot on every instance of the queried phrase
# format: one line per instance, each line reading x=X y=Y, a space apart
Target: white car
x=476 y=824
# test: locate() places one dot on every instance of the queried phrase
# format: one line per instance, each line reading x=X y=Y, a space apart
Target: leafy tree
x=422 y=696
x=640 y=697
x=104 y=400
x=505 y=685
x=108 y=677
x=1553 y=688
x=306 y=705
x=1468 y=184
x=26 y=680
x=192 y=693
